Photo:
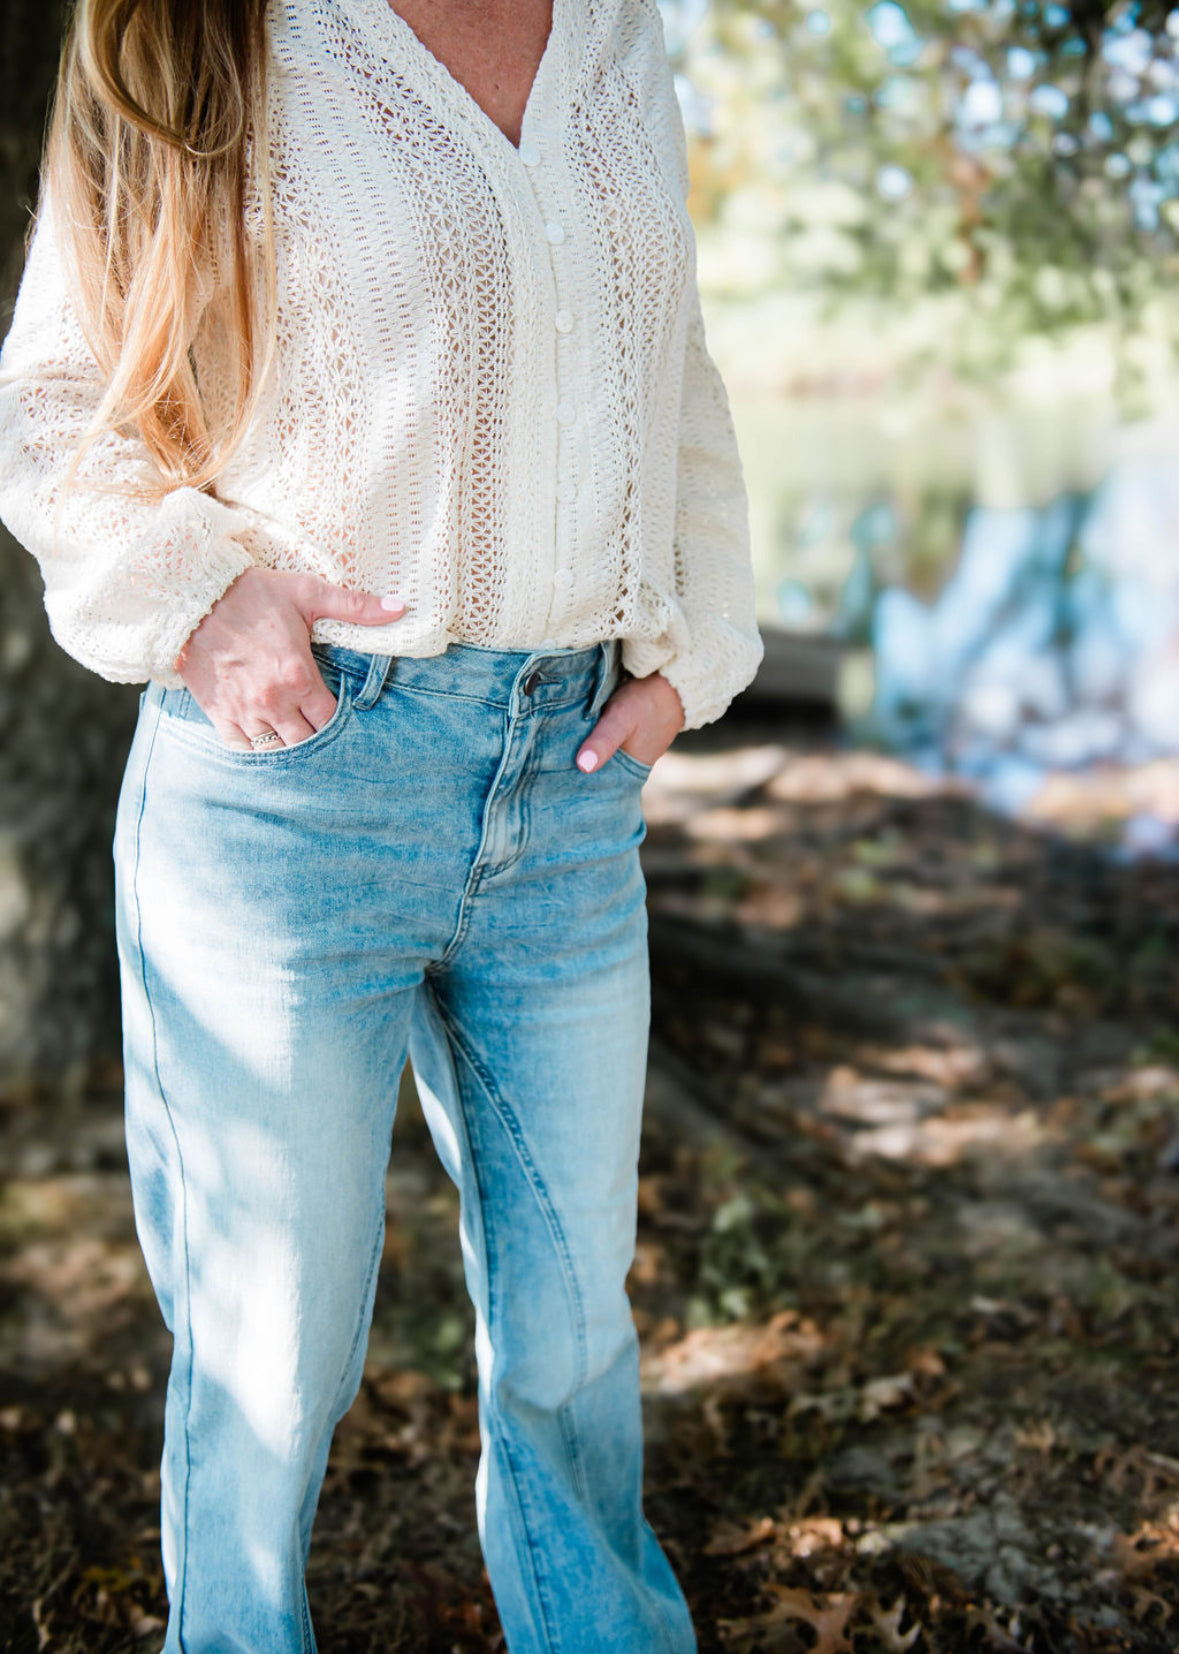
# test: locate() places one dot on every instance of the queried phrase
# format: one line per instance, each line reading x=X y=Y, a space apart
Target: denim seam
x=531 y=1525
x=573 y=1446
x=489 y=1254
x=476 y=872
x=528 y=769
x=361 y=1320
x=480 y=700
x=372 y=686
x=606 y=681
x=536 y=1182
x=155 y=1041
x=462 y=924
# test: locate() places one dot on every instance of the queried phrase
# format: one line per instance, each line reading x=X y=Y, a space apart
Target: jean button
x=530 y=682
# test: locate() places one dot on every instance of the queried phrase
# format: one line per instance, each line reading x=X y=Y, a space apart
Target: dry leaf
x=811 y=1534
x=998 y=1637
x=711 y=1355
x=1145 y=1602
x=730 y=1540
x=827 y=1617
x=887 y=1625
x=889 y=1391
x=1138 y=1554
x=926 y=1361
x=1041 y=1436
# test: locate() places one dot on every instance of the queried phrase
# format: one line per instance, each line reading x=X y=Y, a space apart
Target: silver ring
x=268 y=738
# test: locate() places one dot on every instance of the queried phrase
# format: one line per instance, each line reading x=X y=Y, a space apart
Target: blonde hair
x=156 y=146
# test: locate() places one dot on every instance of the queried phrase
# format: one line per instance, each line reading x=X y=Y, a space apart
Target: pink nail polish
x=392 y=603
x=587 y=761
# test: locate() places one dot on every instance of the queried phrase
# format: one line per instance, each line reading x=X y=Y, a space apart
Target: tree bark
x=63 y=733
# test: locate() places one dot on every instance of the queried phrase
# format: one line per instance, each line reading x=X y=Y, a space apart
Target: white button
x=562 y=579
x=566 y=413
x=566 y=493
x=530 y=155
x=564 y=321
x=555 y=232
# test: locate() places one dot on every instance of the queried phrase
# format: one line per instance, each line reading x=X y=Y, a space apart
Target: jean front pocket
x=184 y=719
x=635 y=765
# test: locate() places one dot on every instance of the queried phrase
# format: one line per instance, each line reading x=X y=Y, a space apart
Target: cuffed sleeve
x=127 y=579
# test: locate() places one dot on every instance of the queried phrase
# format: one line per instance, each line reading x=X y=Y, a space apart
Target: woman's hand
x=643 y=717
x=249 y=662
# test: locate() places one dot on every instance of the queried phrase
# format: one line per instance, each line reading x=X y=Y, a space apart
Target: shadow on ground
x=909 y=1226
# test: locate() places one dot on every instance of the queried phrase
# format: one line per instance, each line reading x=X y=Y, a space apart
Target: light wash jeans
x=428 y=872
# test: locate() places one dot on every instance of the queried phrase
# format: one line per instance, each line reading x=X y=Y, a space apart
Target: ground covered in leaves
x=905 y=1279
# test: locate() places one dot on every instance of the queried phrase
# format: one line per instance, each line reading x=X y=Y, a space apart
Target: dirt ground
x=905 y=1279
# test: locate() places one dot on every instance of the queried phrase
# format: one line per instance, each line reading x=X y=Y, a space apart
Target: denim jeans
x=429 y=872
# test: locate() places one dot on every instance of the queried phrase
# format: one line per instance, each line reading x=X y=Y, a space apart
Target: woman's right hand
x=249 y=663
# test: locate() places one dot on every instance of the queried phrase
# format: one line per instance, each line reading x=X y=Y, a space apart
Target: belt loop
x=609 y=665
x=374 y=683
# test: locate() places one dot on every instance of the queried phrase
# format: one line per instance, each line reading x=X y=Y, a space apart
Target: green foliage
x=1012 y=168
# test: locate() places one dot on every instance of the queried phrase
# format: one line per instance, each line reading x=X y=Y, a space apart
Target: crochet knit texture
x=491 y=397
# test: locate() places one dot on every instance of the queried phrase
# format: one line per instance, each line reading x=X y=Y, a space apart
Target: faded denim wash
x=429 y=872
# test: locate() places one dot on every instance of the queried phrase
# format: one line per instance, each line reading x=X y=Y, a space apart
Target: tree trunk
x=63 y=733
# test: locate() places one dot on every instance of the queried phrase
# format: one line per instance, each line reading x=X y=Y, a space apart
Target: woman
x=357 y=401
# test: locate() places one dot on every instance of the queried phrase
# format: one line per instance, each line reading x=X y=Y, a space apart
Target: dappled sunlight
x=908 y=1223
x=684 y=783
x=942 y=1142
x=818 y=778
x=730 y=826
x=708 y=1358
x=1091 y=802
x=908 y=1226
x=904 y=1281
x=74 y=1273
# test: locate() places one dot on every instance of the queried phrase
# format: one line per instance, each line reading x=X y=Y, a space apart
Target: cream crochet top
x=492 y=395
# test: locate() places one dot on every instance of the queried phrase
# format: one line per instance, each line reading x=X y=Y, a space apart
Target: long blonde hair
x=156 y=147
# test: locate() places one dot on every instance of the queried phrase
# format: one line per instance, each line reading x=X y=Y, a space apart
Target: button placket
x=564 y=323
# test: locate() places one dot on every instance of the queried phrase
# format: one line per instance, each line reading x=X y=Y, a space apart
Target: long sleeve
x=491 y=392
x=126 y=579
x=713 y=571
x=717 y=647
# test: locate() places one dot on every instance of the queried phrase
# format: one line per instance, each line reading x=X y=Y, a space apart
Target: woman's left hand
x=643 y=717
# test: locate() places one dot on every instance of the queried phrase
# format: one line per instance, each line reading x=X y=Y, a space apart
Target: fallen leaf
x=827 y=1617
x=887 y=1625
x=889 y=1391
x=710 y=1355
x=731 y=1540
x=998 y=1637
x=1041 y=1436
x=813 y=1533
x=1138 y=1554
x=1145 y=1602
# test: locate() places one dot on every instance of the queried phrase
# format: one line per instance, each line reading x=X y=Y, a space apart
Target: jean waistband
x=538 y=677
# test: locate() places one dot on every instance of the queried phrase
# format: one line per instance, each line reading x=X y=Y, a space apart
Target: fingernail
x=587 y=760
x=392 y=603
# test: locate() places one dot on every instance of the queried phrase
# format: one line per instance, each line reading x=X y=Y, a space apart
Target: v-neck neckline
x=460 y=94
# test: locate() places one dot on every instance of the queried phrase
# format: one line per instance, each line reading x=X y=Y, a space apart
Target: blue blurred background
x=938 y=251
